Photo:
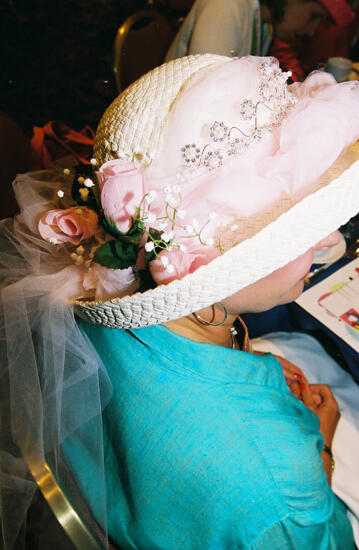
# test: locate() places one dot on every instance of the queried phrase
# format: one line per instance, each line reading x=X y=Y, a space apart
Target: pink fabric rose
x=175 y=264
x=122 y=189
x=72 y=225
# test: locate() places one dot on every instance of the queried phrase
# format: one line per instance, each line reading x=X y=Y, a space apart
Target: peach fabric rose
x=176 y=263
x=72 y=225
x=122 y=189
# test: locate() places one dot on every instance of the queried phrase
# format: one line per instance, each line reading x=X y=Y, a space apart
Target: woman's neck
x=191 y=327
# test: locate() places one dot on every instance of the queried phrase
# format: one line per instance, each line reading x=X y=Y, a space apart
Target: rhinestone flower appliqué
x=225 y=141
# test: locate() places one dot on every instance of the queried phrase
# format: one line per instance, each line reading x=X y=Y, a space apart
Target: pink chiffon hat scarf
x=210 y=174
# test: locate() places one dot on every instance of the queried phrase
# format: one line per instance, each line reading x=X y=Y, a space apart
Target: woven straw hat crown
x=135 y=121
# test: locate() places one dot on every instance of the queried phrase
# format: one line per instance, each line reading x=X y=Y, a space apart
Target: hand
x=293 y=376
x=319 y=398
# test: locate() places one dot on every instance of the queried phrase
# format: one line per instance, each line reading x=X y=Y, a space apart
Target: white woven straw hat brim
x=278 y=243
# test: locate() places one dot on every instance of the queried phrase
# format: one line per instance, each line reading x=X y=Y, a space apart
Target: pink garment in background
x=302 y=55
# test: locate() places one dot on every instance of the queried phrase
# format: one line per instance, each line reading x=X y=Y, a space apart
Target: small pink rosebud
x=122 y=189
x=72 y=225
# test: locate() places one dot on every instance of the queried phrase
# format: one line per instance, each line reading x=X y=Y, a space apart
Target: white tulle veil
x=47 y=365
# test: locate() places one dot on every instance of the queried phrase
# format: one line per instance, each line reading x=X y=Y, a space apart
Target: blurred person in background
x=241 y=27
x=334 y=36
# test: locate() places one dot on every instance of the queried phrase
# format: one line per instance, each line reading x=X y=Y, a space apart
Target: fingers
x=291 y=372
x=317 y=399
x=322 y=389
x=327 y=411
x=324 y=393
x=307 y=395
x=295 y=389
x=325 y=403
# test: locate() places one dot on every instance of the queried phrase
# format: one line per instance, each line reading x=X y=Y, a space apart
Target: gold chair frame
x=63 y=510
x=123 y=33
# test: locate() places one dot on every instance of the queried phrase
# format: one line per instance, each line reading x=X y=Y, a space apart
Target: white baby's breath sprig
x=195 y=230
x=181 y=213
x=167 y=237
x=149 y=246
x=172 y=201
x=166 y=264
x=163 y=225
x=151 y=218
x=195 y=225
x=150 y=197
x=169 y=224
x=164 y=261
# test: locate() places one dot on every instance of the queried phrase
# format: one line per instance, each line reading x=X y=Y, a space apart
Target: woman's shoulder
x=210 y=437
x=209 y=462
x=183 y=356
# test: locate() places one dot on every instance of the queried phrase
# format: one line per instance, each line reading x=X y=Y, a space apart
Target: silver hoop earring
x=204 y=322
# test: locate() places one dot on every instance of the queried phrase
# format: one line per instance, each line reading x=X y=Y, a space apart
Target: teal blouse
x=206 y=448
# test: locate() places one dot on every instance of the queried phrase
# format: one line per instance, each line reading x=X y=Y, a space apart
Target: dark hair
x=277 y=9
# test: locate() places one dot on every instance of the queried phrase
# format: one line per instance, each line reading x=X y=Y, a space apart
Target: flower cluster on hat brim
x=123 y=236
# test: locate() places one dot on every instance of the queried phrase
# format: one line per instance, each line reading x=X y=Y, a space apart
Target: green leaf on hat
x=146 y=281
x=116 y=254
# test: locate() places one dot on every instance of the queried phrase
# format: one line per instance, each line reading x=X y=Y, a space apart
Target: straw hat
x=292 y=180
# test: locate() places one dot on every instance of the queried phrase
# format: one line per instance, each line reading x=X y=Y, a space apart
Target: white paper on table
x=335 y=303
